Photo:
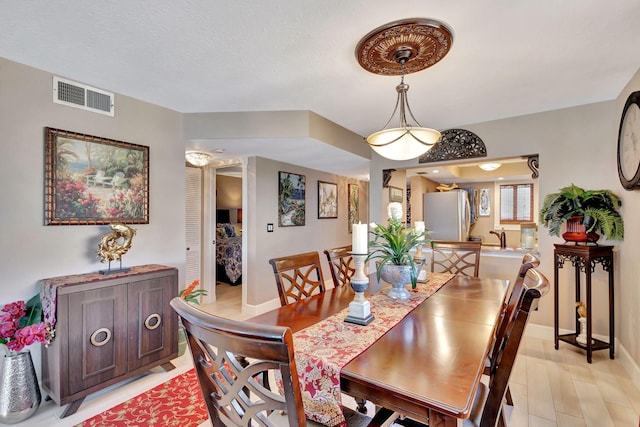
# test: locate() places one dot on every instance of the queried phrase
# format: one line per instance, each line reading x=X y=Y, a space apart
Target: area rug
x=177 y=402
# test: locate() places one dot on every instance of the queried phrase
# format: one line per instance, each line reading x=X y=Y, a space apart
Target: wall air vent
x=78 y=95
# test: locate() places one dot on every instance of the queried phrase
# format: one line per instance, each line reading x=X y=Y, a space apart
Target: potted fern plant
x=586 y=212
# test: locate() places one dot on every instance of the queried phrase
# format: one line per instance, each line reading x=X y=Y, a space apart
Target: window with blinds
x=516 y=203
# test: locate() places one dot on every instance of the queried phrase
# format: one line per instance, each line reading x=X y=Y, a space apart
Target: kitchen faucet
x=502 y=236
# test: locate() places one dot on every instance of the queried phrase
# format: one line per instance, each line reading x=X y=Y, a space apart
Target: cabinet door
x=97 y=336
x=153 y=327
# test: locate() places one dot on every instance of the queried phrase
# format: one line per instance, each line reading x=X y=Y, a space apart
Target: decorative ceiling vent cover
x=78 y=95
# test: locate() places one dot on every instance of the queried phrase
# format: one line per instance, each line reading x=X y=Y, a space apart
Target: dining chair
x=488 y=407
x=529 y=261
x=297 y=276
x=341 y=265
x=456 y=257
x=232 y=359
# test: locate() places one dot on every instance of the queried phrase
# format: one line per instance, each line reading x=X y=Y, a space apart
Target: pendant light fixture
x=399 y=48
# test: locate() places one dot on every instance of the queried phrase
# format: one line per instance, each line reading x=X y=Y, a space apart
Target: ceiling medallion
x=427 y=41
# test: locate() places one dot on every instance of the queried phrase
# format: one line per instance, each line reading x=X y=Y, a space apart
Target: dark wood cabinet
x=108 y=328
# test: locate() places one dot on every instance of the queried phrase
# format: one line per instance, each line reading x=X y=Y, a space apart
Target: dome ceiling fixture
x=395 y=49
x=489 y=166
x=198 y=158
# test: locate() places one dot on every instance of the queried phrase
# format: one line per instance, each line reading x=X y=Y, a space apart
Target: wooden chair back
x=535 y=285
x=341 y=265
x=221 y=349
x=515 y=295
x=297 y=276
x=456 y=257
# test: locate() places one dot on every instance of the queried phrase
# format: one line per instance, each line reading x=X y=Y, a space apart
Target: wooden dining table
x=428 y=365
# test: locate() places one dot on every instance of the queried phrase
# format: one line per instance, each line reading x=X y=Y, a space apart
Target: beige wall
x=228 y=192
x=29 y=250
x=576 y=145
x=627 y=266
x=315 y=235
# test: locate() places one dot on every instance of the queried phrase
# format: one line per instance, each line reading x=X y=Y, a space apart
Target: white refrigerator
x=447 y=215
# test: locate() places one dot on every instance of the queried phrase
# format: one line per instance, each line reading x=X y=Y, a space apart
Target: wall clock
x=629 y=143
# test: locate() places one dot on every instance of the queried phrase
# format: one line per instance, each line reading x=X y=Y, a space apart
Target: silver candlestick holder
x=359 y=308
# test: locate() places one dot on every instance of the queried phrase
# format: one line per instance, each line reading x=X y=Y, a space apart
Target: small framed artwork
x=395 y=194
x=91 y=180
x=291 y=199
x=327 y=200
x=354 y=204
x=484 y=208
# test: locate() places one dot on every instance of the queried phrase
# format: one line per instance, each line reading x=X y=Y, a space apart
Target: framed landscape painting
x=327 y=200
x=91 y=180
x=395 y=194
x=291 y=199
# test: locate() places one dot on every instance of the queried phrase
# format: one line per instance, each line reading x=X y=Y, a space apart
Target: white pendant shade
x=403 y=143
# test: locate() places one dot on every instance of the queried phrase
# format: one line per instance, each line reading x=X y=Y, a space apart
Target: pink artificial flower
x=16 y=338
x=15 y=309
x=29 y=335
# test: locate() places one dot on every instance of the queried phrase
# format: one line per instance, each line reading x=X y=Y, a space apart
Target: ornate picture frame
x=327 y=200
x=354 y=204
x=91 y=180
x=291 y=199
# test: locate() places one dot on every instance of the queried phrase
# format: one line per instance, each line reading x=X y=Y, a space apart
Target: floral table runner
x=324 y=348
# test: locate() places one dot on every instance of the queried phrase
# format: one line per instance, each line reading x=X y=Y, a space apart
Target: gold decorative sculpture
x=581 y=337
x=115 y=244
x=582 y=309
x=445 y=187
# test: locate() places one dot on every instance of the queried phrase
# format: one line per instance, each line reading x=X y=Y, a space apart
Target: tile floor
x=550 y=387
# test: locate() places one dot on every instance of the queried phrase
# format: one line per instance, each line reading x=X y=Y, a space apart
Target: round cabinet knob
x=152 y=321
x=97 y=339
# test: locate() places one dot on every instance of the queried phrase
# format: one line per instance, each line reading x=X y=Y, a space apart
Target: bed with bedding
x=228 y=254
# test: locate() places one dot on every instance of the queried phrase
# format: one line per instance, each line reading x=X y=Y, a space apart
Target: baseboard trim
x=621 y=353
x=254 y=310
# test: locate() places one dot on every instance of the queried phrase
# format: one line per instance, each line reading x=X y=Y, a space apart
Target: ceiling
x=507 y=59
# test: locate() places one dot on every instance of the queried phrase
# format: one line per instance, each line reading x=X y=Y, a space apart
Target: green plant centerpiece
x=392 y=244
x=597 y=211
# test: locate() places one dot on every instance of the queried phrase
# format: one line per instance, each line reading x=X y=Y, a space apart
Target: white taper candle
x=359 y=238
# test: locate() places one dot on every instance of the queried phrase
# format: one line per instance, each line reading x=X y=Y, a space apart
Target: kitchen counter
x=496 y=262
x=509 y=251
